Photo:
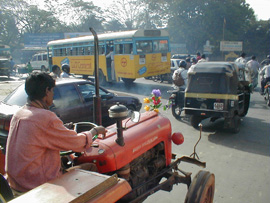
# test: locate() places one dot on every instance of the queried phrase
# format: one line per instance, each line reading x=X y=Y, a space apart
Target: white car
x=40 y=61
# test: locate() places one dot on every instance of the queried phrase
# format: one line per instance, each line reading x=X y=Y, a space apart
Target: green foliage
x=190 y=22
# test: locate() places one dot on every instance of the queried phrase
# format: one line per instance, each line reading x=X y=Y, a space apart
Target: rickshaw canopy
x=213 y=77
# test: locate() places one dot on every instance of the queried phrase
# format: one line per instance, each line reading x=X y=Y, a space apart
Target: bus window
x=101 y=49
x=69 y=51
x=45 y=57
x=160 y=45
x=144 y=46
x=39 y=58
x=65 y=52
x=119 y=49
x=128 y=49
x=89 y=50
x=56 y=52
x=80 y=51
x=75 y=51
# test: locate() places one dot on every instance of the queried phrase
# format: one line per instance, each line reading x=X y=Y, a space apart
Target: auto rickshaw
x=217 y=90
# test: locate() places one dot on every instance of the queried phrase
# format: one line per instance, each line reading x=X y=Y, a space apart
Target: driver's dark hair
x=37 y=83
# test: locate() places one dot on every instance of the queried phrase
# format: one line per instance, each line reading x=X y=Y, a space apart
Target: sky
x=260 y=7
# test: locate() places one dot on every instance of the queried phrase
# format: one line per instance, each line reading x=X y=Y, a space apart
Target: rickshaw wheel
x=202 y=188
x=246 y=105
x=176 y=111
x=236 y=124
x=195 y=120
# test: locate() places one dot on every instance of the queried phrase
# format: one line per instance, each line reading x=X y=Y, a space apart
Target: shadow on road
x=251 y=137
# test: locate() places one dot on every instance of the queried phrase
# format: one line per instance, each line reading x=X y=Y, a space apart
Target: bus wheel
x=128 y=81
x=202 y=188
x=102 y=78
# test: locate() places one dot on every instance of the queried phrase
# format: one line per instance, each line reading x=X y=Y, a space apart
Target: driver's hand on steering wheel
x=98 y=130
x=69 y=125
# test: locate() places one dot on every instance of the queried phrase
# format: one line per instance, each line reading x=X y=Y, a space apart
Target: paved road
x=240 y=161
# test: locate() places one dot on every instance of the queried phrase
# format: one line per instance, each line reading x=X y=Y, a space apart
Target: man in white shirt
x=183 y=71
x=265 y=71
x=253 y=67
x=66 y=71
x=241 y=59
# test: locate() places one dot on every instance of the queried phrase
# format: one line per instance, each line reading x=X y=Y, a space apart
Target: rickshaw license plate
x=218 y=106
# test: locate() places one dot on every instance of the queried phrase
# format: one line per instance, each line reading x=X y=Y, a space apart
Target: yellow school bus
x=123 y=55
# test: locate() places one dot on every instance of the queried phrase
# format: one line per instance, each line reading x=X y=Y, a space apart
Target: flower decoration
x=168 y=105
x=154 y=101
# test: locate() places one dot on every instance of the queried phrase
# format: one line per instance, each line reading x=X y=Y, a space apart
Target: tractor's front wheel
x=202 y=188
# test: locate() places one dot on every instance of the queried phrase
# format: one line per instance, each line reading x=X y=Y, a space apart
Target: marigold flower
x=146 y=100
x=156 y=110
x=147 y=108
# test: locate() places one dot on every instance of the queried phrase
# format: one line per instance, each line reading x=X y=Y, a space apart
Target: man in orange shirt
x=37 y=136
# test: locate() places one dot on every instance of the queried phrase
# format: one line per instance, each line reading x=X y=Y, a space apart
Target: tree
x=132 y=14
x=194 y=22
x=113 y=25
x=257 y=38
x=8 y=29
x=79 y=15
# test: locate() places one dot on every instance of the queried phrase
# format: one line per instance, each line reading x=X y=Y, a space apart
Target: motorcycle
x=177 y=100
x=266 y=93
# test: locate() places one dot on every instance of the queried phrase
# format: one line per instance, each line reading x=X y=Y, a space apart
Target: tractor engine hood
x=139 y=137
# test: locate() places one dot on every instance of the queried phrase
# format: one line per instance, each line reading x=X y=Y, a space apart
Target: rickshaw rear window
x=208 y=83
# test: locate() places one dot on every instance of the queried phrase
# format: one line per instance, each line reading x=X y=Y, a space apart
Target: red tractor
x=141 y=153
x=131 y=158
x=134 y=160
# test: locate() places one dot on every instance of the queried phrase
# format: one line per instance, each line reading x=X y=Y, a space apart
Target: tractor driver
x=37 y=136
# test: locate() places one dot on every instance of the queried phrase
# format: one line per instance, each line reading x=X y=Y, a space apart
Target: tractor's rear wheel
x=202 y=188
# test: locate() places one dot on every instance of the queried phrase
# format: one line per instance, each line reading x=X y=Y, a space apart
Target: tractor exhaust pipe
x=119 y=112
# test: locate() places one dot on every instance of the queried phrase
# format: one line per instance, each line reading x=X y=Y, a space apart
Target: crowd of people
x=253 y=67
x=184 y=66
